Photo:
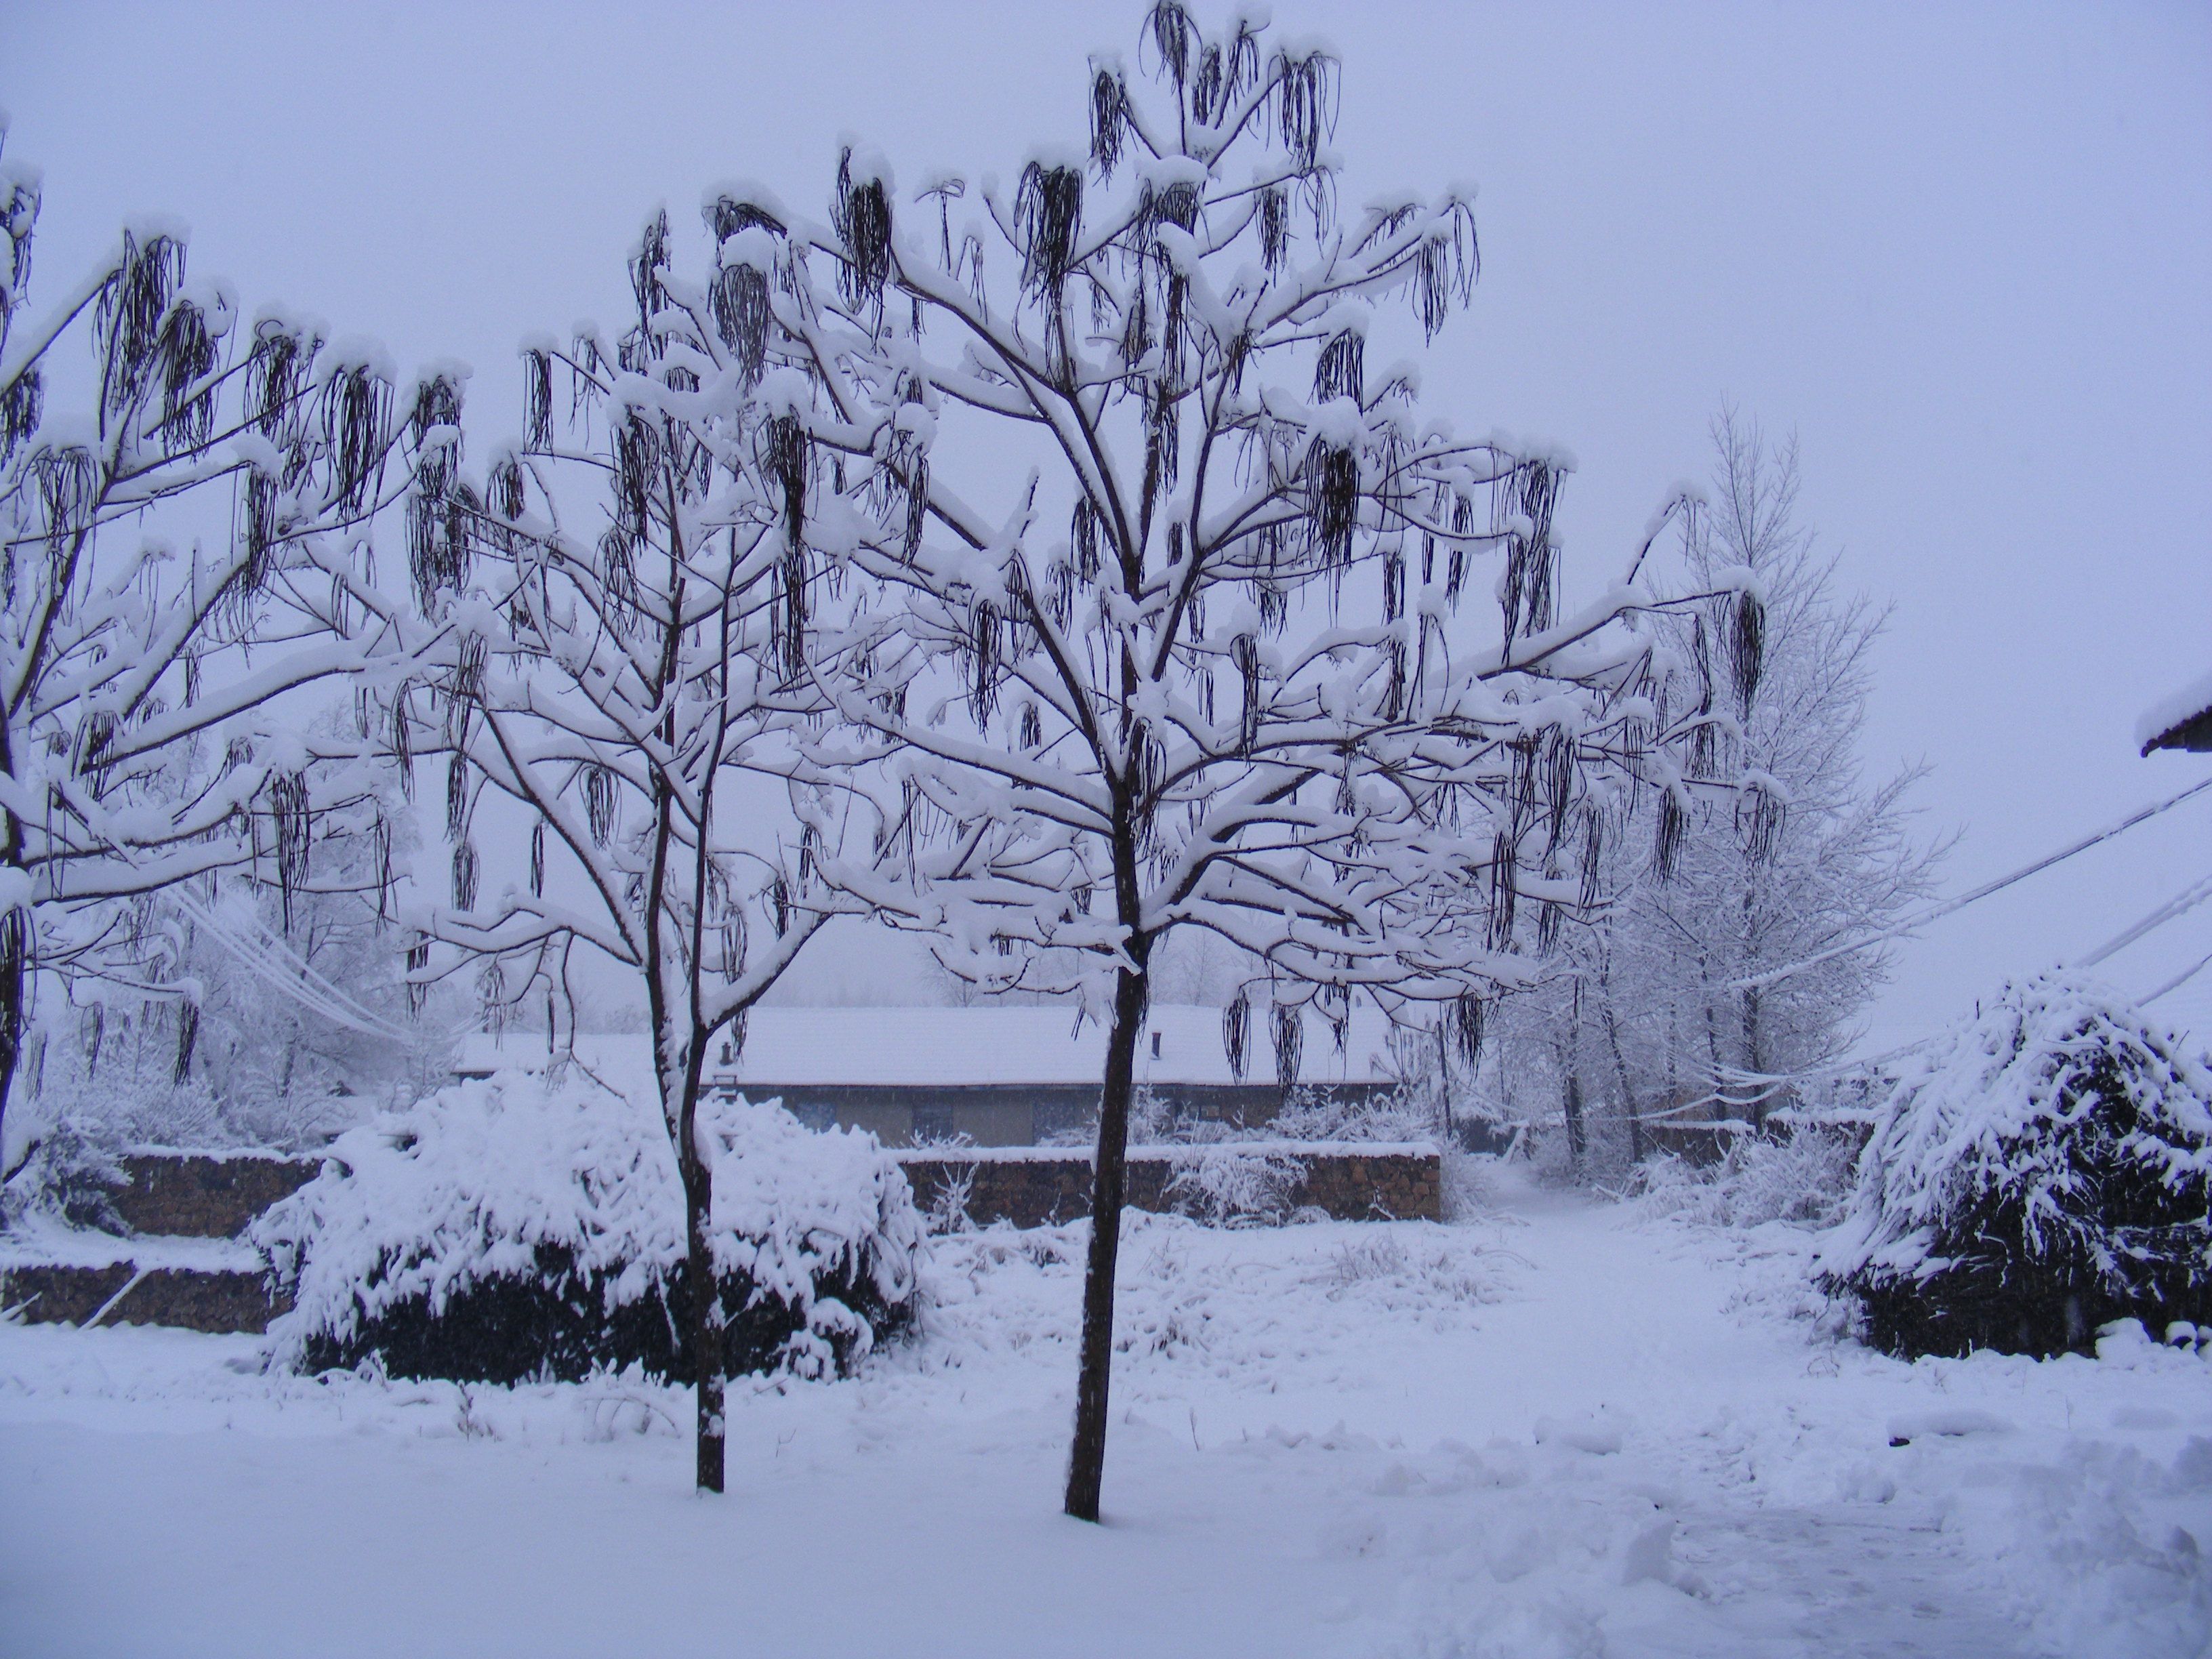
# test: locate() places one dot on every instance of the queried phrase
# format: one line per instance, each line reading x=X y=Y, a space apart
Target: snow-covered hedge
x=2043 y=1169
x=505 y=1229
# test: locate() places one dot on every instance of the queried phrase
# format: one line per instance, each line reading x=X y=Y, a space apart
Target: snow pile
x=2046 y=1169
x=508 y=1226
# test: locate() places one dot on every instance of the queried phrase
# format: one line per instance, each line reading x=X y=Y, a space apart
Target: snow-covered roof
x=2177 y=721
x=951 y=1048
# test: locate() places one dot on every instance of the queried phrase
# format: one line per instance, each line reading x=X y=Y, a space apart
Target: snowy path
x=1556 y=1430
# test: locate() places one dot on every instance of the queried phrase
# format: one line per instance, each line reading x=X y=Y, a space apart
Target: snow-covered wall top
x=953 y=1047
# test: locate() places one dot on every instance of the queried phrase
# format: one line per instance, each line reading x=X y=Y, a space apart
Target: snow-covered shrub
x=1803 y=1175
x=509 y=1228
x=2045 y=1169
x=1322 y=1114
x=67 y=1177
x=1226 y=1184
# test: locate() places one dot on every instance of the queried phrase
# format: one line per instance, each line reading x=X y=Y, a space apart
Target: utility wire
x=1936 y=913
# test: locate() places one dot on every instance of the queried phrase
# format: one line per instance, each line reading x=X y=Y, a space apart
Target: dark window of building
x=932 y=1122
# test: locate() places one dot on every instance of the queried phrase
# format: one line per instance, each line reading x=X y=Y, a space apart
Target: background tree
x=179 y=565
x=1683 y=994
x=1198 y=669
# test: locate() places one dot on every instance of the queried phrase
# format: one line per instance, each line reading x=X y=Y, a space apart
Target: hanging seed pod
x=739 y=303
x=1305 y=104
x=1394 y=584
x=1173 y=31
x=187 y=351
x=466 y=871
x=1274 y=227
x=1332 y=481
x=984 y=660
x=356 y=422
x=457 y=796
x=127 y=317
x=778 y=906
x=506 y=481
x=646 y=264
x=1236 y=1024
x=1341 y=371
x=1108 y=119
x=1244 y=652
x=418 y=963
x=536 y=398
x=1032 y=728
x=1592 y=856
x=1747 y=647
x=293 y=827
x=1467 y=1022
x=862 y=218
x=537 y=860
x=600 y=802
x=1505 y=891
x=275 y=371
x=1049 y=220
x=784 y=454
x=1445 y=268
x=1290 y=1035
x=1760 y=816
x=1673 y=827
x=1083 y=539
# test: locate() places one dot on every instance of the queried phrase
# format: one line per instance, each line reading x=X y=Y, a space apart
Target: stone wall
x=1034 y=1187
x=190 y=1195
x=191 y=1298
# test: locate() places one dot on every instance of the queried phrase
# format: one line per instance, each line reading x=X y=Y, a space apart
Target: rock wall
x=1033 y=1187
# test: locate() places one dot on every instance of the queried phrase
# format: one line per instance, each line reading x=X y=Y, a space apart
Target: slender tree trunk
x=1086 y=1460
x=1574 y=1111
x=707 y=1357
x=1629 y=1107
x=11 y=1018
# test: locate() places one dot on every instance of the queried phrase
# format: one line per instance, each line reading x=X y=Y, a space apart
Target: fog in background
x=1960 y=250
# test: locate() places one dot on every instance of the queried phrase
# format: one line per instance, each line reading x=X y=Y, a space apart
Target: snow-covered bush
x=2045 y=1169
x=1804 y=1174
x=1227 y=1184
x=510 y=1228
x=68 y=1177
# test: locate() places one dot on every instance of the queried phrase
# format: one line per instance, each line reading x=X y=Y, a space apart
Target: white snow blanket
x=1556 y=1430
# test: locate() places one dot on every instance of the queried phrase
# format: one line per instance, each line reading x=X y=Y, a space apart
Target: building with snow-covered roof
x=1002 y=1077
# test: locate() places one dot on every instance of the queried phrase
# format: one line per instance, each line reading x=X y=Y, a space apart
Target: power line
x=1936 y=913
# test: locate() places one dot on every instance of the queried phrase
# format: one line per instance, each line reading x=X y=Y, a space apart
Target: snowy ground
x=1560 y=1429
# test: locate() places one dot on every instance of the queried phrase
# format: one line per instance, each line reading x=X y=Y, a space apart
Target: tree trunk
x=1086 y=1460
x=706 y=1321
x=706 y=1309
x=1573 y=1106
x=1629 y=1106
x=14 y=932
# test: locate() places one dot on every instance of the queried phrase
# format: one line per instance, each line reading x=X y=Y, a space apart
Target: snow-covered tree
x=177 y=571
x=1198 y=667
x=622 y=619
x=1691 y=988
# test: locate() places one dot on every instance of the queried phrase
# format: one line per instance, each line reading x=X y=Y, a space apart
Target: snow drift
x=507 y=1228
x=2043 y=1170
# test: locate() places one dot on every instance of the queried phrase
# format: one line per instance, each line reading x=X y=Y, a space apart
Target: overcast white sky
x=1965 y=252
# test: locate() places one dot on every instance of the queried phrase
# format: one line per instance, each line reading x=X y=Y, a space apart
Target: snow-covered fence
x=1243 y=1180
x=503 y=1229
